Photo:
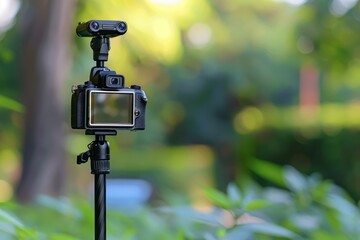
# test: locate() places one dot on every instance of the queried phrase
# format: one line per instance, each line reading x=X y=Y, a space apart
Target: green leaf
x=11 y=104
x=221 y=232
x=10 y=219
x=7 y=229
x=238 y=234
x=218 y=198
x=267 y=229
x=27 y=233
x=256 y=205
x=61 y=205
x=321 y=234
x=343 y=206
x=188 y=214
x=271 y=229
x=320 y=191
x=234 y=193
x=268 y=171
x=294 y=179
x=11 y=225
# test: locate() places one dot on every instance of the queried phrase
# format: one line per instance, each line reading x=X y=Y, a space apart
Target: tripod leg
x=100 y=206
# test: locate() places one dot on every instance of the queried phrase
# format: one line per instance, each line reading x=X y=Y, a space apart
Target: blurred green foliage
x=301 y=207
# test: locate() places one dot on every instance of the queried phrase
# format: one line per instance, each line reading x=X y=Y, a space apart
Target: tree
x=46 y=28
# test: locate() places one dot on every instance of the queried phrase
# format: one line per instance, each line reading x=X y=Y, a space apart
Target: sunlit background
x=231 y=85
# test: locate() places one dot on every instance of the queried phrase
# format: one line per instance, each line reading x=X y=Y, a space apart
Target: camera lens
x=122 y=27
x=114 y=81
x=94 y=26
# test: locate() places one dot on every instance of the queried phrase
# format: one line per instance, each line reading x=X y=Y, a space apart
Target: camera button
x=136 y=87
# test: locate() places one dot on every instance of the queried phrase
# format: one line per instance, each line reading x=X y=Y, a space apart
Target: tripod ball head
x=101 y=28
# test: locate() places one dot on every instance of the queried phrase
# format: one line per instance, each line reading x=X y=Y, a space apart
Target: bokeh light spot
x=248 y=120
x=305 y=45
x=6 y=191
x=199 y=34
x=8 y=11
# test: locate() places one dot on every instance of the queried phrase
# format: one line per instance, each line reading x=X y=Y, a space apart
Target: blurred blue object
x=127 y=194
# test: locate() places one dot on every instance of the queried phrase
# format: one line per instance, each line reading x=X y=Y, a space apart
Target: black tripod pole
x=99 y=153
x=100 y=206
x=100 y=166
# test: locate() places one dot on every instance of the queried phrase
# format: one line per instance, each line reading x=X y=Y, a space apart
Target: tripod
x=88 y=98
x=99 y=154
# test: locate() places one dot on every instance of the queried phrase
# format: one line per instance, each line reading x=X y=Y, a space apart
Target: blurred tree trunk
x=46 y=27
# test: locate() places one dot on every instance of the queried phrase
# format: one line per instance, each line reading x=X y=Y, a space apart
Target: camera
x=105 y=28
x=114 y=108
x=103 y=102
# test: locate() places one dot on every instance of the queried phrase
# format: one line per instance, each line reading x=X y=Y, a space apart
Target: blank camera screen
x=111 y=108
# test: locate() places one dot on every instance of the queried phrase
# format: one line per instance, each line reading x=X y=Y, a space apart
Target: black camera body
x=96 y=108
x=103 y=103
